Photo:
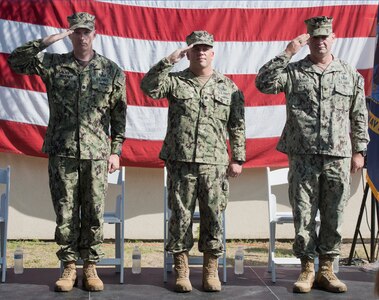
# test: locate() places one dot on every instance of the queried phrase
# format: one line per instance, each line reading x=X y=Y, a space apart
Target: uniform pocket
x=343 y=93
x=182 y=103
x=222 y=106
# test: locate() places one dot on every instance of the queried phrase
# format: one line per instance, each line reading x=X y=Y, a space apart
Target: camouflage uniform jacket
x=83 y=102
x=199 y=117
x=322 y=107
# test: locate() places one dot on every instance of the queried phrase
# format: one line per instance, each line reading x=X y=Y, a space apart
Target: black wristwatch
x=240 y=162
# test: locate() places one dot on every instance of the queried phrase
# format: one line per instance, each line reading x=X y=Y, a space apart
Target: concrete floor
x=255 y=283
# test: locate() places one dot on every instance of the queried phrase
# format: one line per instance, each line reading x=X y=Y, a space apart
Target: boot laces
x=305 y=276
x=181 y=267
x=91 y=271
x=67 y=272
x=212 y=268
x=330 y=276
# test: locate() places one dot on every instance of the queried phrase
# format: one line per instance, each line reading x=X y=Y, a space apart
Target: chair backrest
x=274 y=178
x=5 y=175
x=118 y=178
x=5 y=178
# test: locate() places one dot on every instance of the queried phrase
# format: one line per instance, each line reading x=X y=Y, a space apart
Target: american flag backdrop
x=137 y=34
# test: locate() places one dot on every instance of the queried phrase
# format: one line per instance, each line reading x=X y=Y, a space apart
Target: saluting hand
x=178 y=54
x=51 y=39
x=296 y=44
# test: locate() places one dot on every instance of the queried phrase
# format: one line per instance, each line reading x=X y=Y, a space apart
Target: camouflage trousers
x=318 y=182
x=188 y=182
x=78 y=189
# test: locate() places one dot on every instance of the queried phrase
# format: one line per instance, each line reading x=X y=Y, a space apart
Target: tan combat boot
x=182 y=282
x=326 y=279
x=307 y=276
x=211 y=282
x=68 y=279
x=91 y=281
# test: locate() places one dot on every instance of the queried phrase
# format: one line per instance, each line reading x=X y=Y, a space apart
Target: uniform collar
x=307 y=65
x=215 y=77
x=75 y=64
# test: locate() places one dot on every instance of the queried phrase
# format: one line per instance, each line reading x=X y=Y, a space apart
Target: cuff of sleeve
x=359 y=148
x=166 y=62
x=237 y=159
x=283 y=55
x=116 y=149
x=39 y=45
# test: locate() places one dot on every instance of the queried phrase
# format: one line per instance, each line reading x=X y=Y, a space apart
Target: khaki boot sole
x=298 y=289
x=328 y=286
x=212 y=287
x=332 y=289
x=66 y=288
x=89 y=288
x=183 y=287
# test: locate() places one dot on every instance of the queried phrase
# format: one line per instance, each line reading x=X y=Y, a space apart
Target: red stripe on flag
x=367 y=75
x=27 y=139
x=262 y=153
x=11 y=79
x=21 y=138
x=227 y=24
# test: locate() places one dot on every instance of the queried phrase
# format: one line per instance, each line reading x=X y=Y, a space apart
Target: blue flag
x=373 y=147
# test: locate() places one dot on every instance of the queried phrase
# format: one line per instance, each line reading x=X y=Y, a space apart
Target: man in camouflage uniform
x=325 y=102
x=204 y=107
x=86 y=94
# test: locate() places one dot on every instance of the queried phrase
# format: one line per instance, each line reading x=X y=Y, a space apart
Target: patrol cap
x=319 y=25
x=81 y=20
x=200 y=37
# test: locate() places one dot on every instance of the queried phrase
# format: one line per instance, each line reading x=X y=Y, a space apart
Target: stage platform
x=255 y=283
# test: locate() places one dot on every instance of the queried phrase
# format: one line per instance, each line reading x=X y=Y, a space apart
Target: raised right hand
x=178 y=54
x=51 y=39
x=296 y=44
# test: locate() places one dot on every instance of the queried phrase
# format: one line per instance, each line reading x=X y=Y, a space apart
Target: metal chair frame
x=5 y=179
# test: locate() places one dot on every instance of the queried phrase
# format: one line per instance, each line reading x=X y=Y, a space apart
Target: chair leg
x=117 y=245
x=3 y=250
x=224 y=242
x=167 y=267
x=272 y=266
x=273 y=273
x=271 y=246
x=122 y=246
x=224 y=266
x=3 y=272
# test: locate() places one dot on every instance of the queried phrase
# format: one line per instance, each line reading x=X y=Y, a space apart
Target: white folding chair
x=116 y=217
x=275 y=178
x=5 y=179
x=168 y=259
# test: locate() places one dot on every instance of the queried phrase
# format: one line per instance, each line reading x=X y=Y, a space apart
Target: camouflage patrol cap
x=81 y=20
x=319 y=25
x=201 y=37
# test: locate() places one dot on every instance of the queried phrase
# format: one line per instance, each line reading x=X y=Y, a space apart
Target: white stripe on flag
x=143 y=122
x=136 y=55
